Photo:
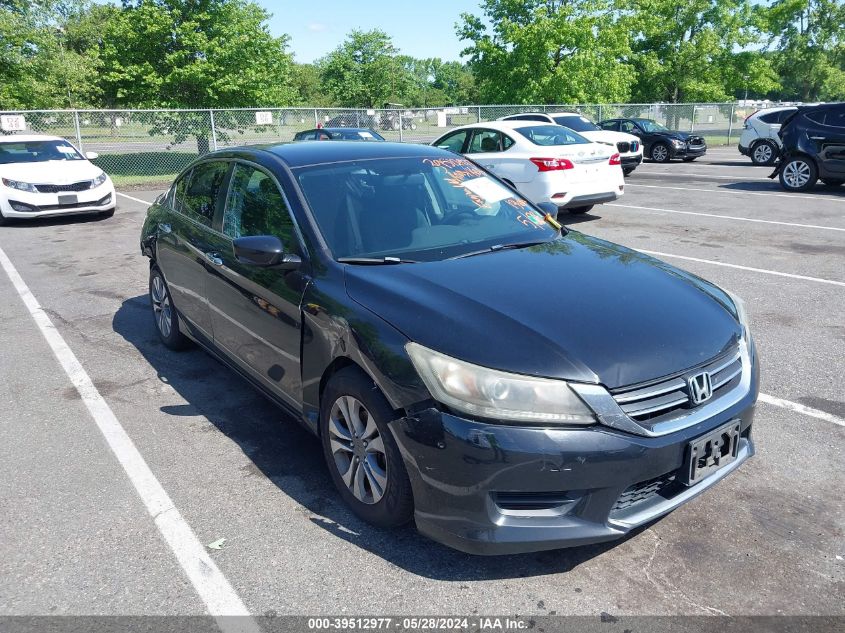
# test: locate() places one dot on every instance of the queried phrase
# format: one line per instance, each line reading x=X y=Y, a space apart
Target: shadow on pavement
x=59 y=220
x=291 y=457
x=772 y=186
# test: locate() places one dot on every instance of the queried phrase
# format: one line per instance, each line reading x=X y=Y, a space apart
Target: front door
x=255 y=311
x=828 y=134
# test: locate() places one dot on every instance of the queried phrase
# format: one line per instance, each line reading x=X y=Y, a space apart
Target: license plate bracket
x=68 y=199
x=711 y=452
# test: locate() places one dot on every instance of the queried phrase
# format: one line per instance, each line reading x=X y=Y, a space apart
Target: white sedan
x=546 y=163
x=45 y=176
x=630 y=147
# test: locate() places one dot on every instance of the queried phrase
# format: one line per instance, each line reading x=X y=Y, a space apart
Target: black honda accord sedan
x=510 y=385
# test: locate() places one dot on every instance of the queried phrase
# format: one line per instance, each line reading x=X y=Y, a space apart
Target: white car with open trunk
x=45 y=176
x=545 y=162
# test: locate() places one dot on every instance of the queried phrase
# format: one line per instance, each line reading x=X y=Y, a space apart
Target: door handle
x=817 y=138
x=214 y=258
x=164 y=227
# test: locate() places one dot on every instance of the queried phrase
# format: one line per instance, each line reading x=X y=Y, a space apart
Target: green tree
x=548 y=51
x=364 y=71
x=41 y=64
x=685 y=51
x=808 y=37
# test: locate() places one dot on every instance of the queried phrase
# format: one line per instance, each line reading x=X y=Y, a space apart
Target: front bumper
x=631 y=161
x=21 y=204
x=487 y=488
x=688 y=151
x=745 y=151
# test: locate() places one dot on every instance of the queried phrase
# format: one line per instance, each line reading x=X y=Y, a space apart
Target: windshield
x=356 y=135
x=551 y=135
x=420 y=209
x=576 y=122
x=36 y=152
x=651 y=126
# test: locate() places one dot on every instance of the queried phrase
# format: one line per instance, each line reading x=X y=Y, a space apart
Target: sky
x=425 y=28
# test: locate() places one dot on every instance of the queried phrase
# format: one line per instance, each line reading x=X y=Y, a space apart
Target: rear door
x=185 y=238
x=828 y=134
x=490 y=149
x=255 y=311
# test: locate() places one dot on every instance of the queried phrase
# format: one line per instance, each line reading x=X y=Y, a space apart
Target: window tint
x=551 y=135
x=576 y=122
x=785 y=114
x=528 y=117
x=610 y=125
x=177 y=192
x=453 y=142
x=628 y=126
x=835 y=118
x=485 y=141
x=770 y=117
x=202 y=191
x=817 y=117
x=255 y=206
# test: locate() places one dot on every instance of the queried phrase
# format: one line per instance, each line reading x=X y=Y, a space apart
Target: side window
x=785 y=114
x=628 y=126
x=613 y=126
x=771 y=117
x=507 y=142
x=255 y=206
x=202 y=191
x=177 y=192
x=453 y=142
x=817 y=117
x=485 y=141
x=836 y=119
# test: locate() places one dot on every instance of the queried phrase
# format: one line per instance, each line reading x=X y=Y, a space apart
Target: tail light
x=552 y=164
x=745 y=121
x=616 y=159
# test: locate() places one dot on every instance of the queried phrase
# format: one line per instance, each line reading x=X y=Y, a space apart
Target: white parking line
x=699 y=175
x=749 y=268
x=741 y=192
x=727 y=217
x=800 y=408
x=146 y=202
x=215 y=591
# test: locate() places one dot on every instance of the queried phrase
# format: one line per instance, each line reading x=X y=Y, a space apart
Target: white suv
x=759 y=139
x=630 y=147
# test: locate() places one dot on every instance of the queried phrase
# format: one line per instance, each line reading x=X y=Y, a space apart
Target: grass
x=144 y=168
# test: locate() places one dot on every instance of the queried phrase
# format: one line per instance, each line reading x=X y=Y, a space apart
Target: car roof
x=338 y=129
x=501 y=126
x=298 y=154
x=564 y=114
x=28 y=138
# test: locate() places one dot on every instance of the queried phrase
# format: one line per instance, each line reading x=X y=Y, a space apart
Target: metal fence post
x=316 y=118
x=399 y=115
x=600 y=116
x=78 y=132
x=731 y=122
x=213 y=130
x=692 y=120
x=479 y=114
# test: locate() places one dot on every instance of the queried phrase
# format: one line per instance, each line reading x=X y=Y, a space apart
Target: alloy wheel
x=358 y=449
x=796 y=174
x=763 y=153
x=161 y=306
x=659 y=153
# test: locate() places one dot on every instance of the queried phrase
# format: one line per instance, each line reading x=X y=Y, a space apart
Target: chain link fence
x=139 y=147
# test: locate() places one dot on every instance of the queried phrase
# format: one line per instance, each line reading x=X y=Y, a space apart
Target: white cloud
x=316 y=27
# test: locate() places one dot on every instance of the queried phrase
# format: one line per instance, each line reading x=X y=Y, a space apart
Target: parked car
x=338 y=134
x=660 y=144
x=45 y=176
x=357 y=119
x=629 y=146
x=393 y=114
x=759 y=139
x=813 y=141
x=509 y=385
x=546 y=163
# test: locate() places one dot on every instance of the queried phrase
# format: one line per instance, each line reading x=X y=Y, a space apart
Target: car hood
x=52 y=172
x=577 y=308
x=681 y=136
x=608 y=136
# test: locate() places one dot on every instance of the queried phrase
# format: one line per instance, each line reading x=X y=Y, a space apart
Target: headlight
x=490 y=393
x=741 y=314
x=22 y=186
x=99 y=180
x=678 y=142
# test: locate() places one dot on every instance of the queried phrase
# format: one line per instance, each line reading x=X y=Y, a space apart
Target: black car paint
x=650 y=139
x=576 y=308
x=823 y=144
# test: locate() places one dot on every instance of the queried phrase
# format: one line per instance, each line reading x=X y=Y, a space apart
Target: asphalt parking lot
x=77 y=539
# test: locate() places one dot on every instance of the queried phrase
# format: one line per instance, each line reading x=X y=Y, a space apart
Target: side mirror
x=265 y=251
x=91 y=155
x=548 y=207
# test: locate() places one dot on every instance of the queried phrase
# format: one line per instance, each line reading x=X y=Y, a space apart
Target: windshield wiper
x=375 y=260
x=499 y=247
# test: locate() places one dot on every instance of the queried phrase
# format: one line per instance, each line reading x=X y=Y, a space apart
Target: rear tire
x=363 y=459
x=660 y=153
x=580 y=210
x=764 y=153
x=165 y=316
x=798 y=174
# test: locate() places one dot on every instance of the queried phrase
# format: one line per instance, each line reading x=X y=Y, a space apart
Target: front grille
x=657 y=401
x=85 y=185
x=635 y=145
x=696 y=140
x=623 y=147
x=664 y=485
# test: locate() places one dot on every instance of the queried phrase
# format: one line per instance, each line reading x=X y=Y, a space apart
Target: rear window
x=577 y=122
x=770 y=117
x=547 y=135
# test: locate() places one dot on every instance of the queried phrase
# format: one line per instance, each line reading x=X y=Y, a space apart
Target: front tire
x=798 y=174
x=580 y=210
x=360 y=452
x=764 y=153
x=165 y=317
x=660 y=153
